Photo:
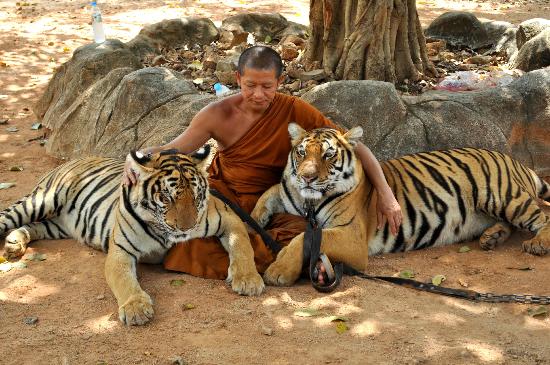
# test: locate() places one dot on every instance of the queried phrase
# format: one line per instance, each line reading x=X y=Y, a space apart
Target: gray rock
x=89 y=64
x=261 y=25
x=530 y=29
x=228 y=64
x=535 y=53
x=148 y=107
x=514 y=119
x=296 y=29
x=459 y=28
x=507 y=44
x=174 y=33
x=374 y=105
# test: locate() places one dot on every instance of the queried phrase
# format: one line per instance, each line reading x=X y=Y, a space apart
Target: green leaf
x=198 y=81
x=306 y=312
x=195 y=65
x=464 y=249
x=16 y=168
x=438 y=279
x=188 y=306
x=19 y=265
x=177 y=282
x=538 y=311
x=36 y=126
x=36 y=256
x=406 y=274
x=338 y=319
x=341 y=327
x=6 y=185
x=268 y=39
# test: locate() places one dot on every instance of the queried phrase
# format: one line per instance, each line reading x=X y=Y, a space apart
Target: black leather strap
x=273 y=245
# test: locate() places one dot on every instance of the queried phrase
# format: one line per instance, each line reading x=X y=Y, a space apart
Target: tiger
x=84 y=199
x=446 y=197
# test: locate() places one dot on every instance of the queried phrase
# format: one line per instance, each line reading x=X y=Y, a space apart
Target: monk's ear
x=353 y=136
x=296 y=132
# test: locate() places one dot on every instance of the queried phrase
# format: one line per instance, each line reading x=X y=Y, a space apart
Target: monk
x=250 y=128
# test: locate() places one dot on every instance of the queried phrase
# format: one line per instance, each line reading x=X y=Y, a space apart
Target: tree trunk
x=367 y=39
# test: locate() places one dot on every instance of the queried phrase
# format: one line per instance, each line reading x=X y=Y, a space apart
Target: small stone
x=30 y=320
x=159 y=60
x=100 y=297
x=312 y=83
x=294 y=86
x=267 y=331
x=318 y=74
x=289 y=52
x=480 y=60
x=177 y=360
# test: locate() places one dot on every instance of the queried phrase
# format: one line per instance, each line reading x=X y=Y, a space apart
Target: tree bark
x=367 y=39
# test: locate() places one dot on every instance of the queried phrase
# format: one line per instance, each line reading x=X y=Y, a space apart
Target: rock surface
x=459 y=28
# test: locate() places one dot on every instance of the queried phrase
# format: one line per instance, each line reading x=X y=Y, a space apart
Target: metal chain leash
x=513 y=298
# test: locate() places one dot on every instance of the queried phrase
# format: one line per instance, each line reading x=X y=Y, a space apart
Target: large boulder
x=535 y=53
x=174 y=33
x=529 y=29
x=262 y=25
x=514 y=119
x=89 y=64
x=459 y=28
x=147 y=107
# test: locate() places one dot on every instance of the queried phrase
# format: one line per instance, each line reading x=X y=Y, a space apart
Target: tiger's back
x=77 y=199
x=455 y=195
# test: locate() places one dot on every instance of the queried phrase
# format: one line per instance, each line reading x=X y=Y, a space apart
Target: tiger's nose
x=309 y=172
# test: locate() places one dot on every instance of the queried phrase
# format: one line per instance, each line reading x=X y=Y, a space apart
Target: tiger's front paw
x=285 y=270
x=536 y=246
x=137 y=310
x=16 y=244
x=247 y=284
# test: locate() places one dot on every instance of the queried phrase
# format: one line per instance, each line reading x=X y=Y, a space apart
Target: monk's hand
x=129 y=176
x=388 y=209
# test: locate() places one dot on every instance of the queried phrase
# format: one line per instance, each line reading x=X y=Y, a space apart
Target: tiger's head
x=322 y=162
x=172 y=189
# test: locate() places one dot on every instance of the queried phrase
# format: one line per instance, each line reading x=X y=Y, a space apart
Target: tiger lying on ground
x=446 y=197
x=170 y=203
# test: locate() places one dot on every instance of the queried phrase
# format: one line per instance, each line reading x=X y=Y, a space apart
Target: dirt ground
x=76 y=312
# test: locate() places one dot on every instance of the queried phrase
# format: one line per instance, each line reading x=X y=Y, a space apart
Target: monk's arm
x=388 y=207
x=195 y=135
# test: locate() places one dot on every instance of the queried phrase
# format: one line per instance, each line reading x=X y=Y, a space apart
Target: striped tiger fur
x=446 y=197
x=84 y=199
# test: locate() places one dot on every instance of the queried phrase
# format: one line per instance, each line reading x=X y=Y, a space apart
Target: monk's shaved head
x=260 y=58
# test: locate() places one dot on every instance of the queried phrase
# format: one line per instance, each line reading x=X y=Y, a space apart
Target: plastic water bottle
x=97 y=24
x=221 y=89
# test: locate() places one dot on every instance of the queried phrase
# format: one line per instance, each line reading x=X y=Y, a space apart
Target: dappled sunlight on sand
x=485 y=352
x=366 y=328
x=27 y=289
x=102 y=324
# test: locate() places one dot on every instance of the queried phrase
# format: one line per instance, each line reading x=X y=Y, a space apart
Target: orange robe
x=242 y=173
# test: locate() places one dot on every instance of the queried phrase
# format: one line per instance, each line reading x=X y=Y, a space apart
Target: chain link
x=513 y=298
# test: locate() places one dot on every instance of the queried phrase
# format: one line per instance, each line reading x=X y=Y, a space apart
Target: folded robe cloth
x=242 y=172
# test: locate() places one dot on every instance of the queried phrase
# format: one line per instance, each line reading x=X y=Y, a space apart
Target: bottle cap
x=93 y=3
x=217 y=86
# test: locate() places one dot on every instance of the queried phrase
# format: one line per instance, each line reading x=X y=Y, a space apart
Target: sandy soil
x=76 y=312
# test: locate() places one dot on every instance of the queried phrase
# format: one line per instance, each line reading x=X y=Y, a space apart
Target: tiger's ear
x=354 y=135
x=141 y=163
x=200 y=157
x=296 y=132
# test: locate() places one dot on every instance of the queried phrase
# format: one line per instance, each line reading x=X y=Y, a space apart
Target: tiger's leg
x=18 y=239
x=242 y=273
x=269 y=203
x=135 y=306
x=288 y=266
x=526 y=214
x=495 y=235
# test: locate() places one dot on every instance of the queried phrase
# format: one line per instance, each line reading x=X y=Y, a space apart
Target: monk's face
x=258 y=87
